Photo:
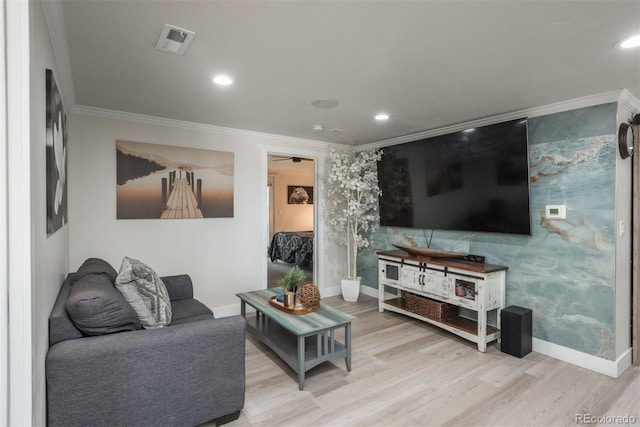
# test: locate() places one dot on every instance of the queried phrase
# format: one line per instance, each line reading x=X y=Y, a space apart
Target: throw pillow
x=146 y=293
x=95 y=266
x=96 y=307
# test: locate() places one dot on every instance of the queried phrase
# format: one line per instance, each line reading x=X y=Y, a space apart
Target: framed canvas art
x=169 y=182
x=299 y=195
x=56 y=156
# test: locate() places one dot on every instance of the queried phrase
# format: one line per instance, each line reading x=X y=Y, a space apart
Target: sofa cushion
x=61 y=327
x=179 y=286
x=96 y=266
x=146 y=293
x=96 y=307
x=188 y=310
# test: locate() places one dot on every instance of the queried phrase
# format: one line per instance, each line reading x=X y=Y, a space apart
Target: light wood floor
x=407 y=373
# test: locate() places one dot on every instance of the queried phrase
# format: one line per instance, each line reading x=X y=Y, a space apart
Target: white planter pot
x=350 y=289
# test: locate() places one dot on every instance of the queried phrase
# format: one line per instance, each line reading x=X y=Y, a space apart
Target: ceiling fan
x=294 y=159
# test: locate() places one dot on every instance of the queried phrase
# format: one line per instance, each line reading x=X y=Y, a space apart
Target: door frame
x=318 y=244
x=4 y=227
x=635 y=257
x=271 y=183
x=16 y=335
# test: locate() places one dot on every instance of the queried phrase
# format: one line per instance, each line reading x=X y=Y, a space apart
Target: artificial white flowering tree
x=352 y=198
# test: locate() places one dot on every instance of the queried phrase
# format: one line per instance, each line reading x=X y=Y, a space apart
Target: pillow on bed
x=146 y=293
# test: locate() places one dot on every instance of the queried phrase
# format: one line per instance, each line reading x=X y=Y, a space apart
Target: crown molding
x=623 y=96
x=630 y=102
x=55 y=23
x=200 y=127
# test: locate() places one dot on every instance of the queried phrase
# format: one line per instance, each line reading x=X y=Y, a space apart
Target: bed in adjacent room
x=293 y=247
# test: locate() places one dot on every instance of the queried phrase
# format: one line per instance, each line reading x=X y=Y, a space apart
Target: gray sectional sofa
x=103 y=369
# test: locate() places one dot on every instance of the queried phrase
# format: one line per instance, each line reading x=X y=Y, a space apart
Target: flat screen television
x=472 y=180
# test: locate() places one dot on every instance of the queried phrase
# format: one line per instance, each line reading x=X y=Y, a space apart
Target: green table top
x=300 y=324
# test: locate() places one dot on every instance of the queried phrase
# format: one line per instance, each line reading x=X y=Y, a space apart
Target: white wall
x=50 y=255
x=223 y=256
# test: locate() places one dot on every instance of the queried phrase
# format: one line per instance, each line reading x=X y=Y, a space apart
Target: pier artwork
x=156 y=181
x=180 y=197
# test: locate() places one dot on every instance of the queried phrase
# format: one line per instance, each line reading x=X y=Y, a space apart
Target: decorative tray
x=303 y=310
x=430 y=253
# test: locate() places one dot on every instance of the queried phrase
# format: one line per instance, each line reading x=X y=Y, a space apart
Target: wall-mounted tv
x=472 y=180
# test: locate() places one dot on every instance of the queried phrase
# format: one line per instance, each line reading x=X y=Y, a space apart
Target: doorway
x=635 y=260
x=291 y=210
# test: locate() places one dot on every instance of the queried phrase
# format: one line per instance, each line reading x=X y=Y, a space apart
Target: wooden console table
x=302 y=341
x=474 y=286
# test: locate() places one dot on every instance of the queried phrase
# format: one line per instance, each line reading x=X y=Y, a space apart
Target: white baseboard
x=607 y=367
x=228 y=310
x=333 y=291
x=368 y=290
x=336 y=290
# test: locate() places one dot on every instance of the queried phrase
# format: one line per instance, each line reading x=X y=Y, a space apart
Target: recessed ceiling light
x=325 y=103
x=630 y=42
x=382 y=117
x=223 y=80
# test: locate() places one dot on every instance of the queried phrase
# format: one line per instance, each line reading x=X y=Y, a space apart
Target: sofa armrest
x=185 y=374
x=179 y=286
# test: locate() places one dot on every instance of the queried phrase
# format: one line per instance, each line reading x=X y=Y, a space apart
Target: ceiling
x=428 y=64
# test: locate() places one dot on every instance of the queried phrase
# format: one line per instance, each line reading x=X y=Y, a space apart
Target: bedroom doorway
x=291 y=222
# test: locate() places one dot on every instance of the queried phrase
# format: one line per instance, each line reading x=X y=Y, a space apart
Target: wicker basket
x=431 y=309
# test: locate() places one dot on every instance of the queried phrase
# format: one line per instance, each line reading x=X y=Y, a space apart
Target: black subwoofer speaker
x=515 y=332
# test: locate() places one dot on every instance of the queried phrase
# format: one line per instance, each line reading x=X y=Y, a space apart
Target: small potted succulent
x=289 y=284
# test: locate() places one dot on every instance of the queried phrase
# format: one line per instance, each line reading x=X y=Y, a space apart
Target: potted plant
x=289 y=284
x=352 y=206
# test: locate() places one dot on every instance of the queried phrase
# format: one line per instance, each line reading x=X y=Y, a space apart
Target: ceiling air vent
x=174 y=39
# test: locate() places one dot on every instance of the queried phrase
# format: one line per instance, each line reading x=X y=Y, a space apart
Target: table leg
x=347 y=344
x=499 y=323
x=243 y=309
x=482 y=330
x=301 y=362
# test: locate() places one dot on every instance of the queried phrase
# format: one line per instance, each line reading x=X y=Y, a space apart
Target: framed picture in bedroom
x=56 y=156
x=299 y=195
x=170 y=182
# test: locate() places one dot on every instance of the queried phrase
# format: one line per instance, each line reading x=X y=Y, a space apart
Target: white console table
x=475 y=286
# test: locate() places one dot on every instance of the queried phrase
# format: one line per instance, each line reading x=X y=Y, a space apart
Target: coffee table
x=301 y=340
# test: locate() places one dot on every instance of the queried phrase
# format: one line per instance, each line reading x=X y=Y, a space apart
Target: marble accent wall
x=565 y=270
